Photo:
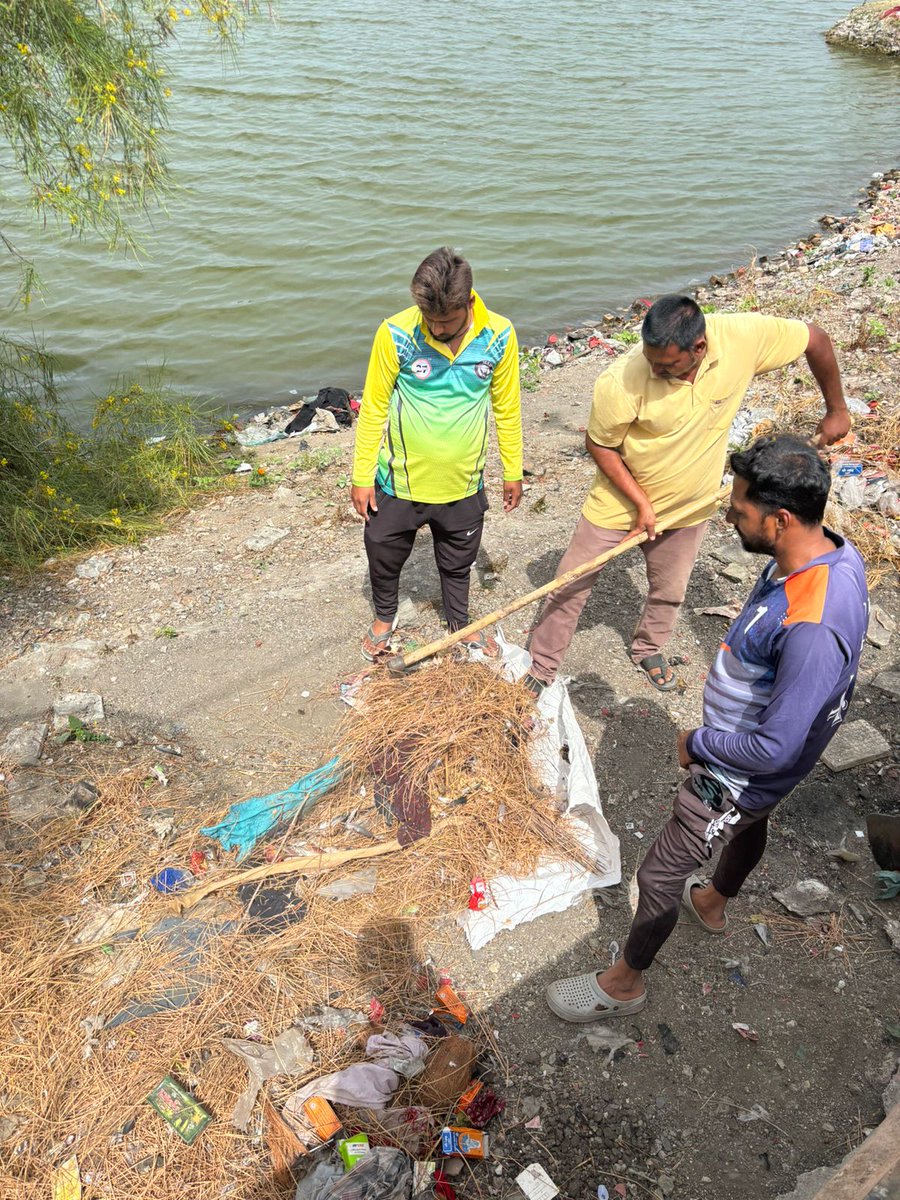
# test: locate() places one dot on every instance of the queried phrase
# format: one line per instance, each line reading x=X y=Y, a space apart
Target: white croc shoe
x=580 y=999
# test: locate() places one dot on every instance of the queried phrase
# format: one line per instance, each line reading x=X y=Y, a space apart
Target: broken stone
x=32 y=800
x=881 y=626
x=94 y=567
x=23 y=744
x=83 y=795
x=734 y=570
x=266 y=538
x=407 y=613
x=854 y=745
x=892 y=929
x=86 y=706
x=806 y=898
x=888 y=681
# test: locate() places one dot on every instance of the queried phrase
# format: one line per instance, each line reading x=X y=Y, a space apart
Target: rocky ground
x=871 y=27
x=218 y=647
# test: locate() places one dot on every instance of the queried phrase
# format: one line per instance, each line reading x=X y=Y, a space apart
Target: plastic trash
x=172 y=879
x=536 y=1183
x=245 y=823
x=289 y=1054
x=318 y=1183
x=384 y=1174
x=361 y=883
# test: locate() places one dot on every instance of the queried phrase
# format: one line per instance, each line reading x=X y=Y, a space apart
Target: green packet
x=186 y=1115
x=352 y=1149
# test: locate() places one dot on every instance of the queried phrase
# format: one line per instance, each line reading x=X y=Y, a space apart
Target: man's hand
x=832 y=427
x=512 y=495
x=645 y=519
x=684 y=758
x=363 y=499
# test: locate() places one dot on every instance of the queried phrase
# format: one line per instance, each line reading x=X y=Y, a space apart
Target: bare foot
x=621 y=982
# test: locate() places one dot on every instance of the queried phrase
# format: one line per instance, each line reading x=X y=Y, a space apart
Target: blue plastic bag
x=245 y=823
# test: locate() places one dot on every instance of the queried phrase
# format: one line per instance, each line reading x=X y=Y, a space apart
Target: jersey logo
x=421 y=368
x=484 y=369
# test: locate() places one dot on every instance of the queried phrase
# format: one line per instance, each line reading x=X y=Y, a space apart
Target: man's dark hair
x=673 y=321
x=442 y=283
x=785 y=472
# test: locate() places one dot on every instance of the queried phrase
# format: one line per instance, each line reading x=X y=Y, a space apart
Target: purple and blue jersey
x=783 y=677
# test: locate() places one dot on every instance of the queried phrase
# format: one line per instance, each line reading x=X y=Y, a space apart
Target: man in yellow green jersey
x=437 y=371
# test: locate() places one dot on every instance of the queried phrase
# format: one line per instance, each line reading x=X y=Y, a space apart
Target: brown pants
x=669 y=558
x=702 y=818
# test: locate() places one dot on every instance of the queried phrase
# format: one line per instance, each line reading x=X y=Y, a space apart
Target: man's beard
x=757 y=545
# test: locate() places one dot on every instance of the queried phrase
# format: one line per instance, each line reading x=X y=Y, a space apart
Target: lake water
x=579 y=154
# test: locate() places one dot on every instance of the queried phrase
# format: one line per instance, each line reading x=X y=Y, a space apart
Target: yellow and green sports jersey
x=423 y=422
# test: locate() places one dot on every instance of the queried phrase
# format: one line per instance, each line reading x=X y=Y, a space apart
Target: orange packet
x=321 y=1117
x=452 y=1003
x=468 y=1096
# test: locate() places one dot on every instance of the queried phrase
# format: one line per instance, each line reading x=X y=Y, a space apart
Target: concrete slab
x=854 y=745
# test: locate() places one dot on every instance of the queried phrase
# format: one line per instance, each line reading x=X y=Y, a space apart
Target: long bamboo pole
x=400 y=663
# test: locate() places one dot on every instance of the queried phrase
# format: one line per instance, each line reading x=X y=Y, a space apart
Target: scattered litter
x=602 y=1037
x=352 y=1149
x=469 y=1143
x=172 y=879
x=178 y=1107
x=270 y=908
x=361 y=883
x=534 y=1123
x=66 y=1181
x=160 y=775
x=888 y=885
x=762 y=932
x=536 y=1183
x=246 y=822
x=602 y=1192
x=737 y=977
x=244 y=469
x=670 y=1042
x=755 y=1113
x=384 y=1173
x=748 y=1034
x=842 y=854
x=289 y=1054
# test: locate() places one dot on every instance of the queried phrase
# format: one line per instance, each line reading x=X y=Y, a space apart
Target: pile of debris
x=175 y=1028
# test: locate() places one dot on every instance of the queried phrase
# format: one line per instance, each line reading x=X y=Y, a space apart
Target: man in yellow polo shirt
x=438 y=371
x=658 y=432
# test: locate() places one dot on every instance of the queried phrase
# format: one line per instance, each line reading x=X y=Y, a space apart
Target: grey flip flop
x=690 y=884
x=381 y=642
x=581 y=999
x=657 y=662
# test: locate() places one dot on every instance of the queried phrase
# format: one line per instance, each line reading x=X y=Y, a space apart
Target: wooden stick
x=399 y=663
x=306 y=862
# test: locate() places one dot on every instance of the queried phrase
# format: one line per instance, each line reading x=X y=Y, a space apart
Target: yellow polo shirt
x=673 y=435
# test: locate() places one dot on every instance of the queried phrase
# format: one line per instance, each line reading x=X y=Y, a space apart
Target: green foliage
x=529 y=370
x=877 y=328
x=707 y=308
x=868 y=273
x=749 y=303
x=61 y=489
x=166 y=631
x=83 y=104
x=628 y=336
x=79 y=732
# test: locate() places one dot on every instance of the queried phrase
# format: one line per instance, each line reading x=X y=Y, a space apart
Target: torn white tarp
x=564 y=766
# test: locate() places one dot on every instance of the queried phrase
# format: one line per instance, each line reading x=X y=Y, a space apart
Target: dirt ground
x=235 y=655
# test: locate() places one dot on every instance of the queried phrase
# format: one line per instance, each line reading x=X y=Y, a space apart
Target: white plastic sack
x=555 y=885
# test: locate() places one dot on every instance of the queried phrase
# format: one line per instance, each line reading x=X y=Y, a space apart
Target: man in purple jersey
x=774 y=697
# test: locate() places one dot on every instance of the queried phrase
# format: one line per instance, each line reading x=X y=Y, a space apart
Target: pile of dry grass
x=68 y=1090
